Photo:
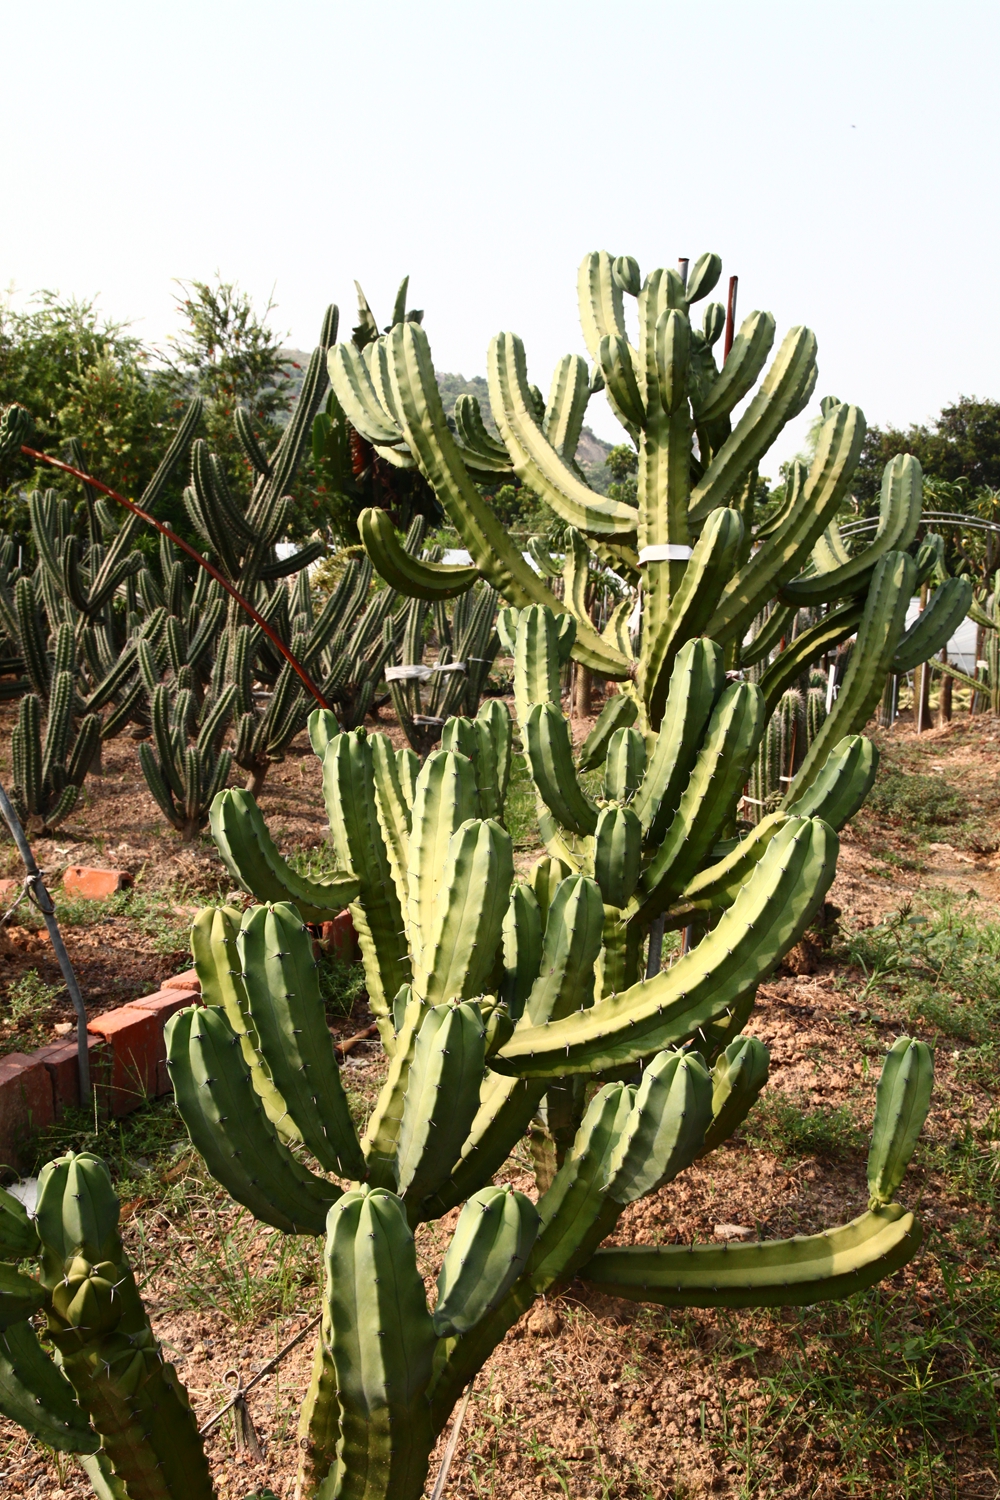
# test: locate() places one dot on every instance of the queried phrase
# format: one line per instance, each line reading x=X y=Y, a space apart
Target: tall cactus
x=470 y=969
x=185 y=766
x=48 y=774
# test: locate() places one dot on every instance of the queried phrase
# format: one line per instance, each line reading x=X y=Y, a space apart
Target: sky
x=841 y=159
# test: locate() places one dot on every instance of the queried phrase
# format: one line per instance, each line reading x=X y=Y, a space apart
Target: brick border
x=127 y=1065
x=128 y=1057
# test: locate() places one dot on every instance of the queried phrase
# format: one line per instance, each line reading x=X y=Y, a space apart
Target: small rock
x=733 y=1232
x=544 y=1322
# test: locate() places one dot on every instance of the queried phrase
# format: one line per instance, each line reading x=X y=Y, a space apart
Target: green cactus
x=48 y=775
x=107 y=1396
x=499 y=1001
x=496 y=1005
x=185 y=766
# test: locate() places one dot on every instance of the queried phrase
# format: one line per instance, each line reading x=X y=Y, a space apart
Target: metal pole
x=41 y=898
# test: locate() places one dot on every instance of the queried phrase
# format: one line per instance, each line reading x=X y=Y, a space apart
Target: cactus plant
x=108 y=1395
x=47 y=776
x=184 y=777
x=423 y=697
x=490 y=1000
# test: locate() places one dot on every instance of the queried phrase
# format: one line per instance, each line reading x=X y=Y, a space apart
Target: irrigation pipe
x=34 y=886
x=179 y=541
x=245 y=1390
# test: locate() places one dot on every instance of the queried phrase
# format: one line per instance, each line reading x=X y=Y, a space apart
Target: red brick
x=136 y=1040
x=60 y=1058
x=168 y=1002
x=95 y=885
x=187 y=981
x=27 y=1104
x=339 y=939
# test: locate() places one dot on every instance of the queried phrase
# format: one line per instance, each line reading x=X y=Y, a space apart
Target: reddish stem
x=179 y=541
x=730 y=316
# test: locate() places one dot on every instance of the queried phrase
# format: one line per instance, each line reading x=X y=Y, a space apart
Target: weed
x=945 y=964
x=792 y=1129
x=519 y=810
x=29 y=996
x=341 y=985
x=925 y=801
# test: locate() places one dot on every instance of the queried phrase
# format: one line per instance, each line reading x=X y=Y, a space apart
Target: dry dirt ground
x=889 y=1396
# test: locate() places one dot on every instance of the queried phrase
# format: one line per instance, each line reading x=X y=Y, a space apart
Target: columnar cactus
x=108 y=1396
x=48 y=775
x=492 y=996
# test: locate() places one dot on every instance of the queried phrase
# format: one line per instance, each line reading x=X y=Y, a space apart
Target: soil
x=588 y=1396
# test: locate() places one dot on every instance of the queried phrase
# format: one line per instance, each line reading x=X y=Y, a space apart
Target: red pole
x=201 y=561
x=730 y=316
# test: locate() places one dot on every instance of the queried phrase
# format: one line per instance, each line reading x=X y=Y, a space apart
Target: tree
x=229 y=355
x=81 y=375
x=963 y=443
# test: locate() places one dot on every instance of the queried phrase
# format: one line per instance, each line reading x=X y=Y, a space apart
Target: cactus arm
x=600 y=300
x=665 y=1129
x=445 y=798
x=769 y=915
x=109 y=1353
x=619 y=712
x=744 y=363
x=786 y=389
x=474 y=434
x=719 y=773
x=549 y=751
x=777 y=624
x=881 y=626
x=696 y=684
x=319 y=1418
x=252 y=858
x=569 y=394
x=935 y=625
x=902 y=1099
x=837 y=452
x=570 y=948
x=404 y=572
x=775 y=1273
x=739 y=1075
x=718 y=886
x=381 y=1135
x=488 y=1250
x=463 y=926
x=495 y=735
x=382 y=1346
x=492 y=552
x=20 y=1296
x=808 y=647
x=575 y=1213
x=505 y=1111
x=220 y=973
x=35 y=1394
x=349 y=793
x=842 y=784
x=228 y=1126
x=441 y=1100
x=536 y=461
x=899 y=518
x=290 y=1021
x=394 y=812
x=709 y=568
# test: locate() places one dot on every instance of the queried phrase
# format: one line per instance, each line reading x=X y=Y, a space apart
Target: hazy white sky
x=842 y=159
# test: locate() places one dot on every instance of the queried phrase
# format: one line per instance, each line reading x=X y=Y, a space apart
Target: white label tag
x=407 y=674
x=664 y=552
